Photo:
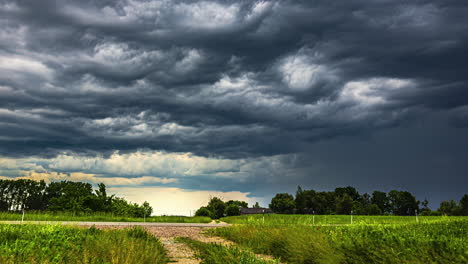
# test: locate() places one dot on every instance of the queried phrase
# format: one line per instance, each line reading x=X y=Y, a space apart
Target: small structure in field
x=247 y=211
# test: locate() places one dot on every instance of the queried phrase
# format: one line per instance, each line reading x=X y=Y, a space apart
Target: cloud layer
x=125 y=88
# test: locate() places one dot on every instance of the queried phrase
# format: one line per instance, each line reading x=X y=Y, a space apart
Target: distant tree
x=381 y=200
x=448 y=207
x=425 y=206
x=203 y=211
x=344 y=204
x=463 y=205
x=350 y=191
x=283 y=203
x=217 y=207
x=256 y=205
x=148 y=210
x=232 y=210
x=403 y=203
x=240 y=204
x=306 y=201
x=374 y=210
x=324 y=203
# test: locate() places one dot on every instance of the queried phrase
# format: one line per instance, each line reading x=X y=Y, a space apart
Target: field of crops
x=96 y=217
x=59 y=244
x=279 y=219
x=368 y=240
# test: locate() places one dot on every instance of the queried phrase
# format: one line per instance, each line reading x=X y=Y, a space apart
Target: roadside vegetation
x=281 y=219
x=428 y=242
x=95 y=217
x=213 y=253
x=61 y=244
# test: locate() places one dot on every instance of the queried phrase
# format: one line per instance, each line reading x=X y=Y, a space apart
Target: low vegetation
x=212 y=253
x=60 y=244
x=433 y=241
x=95 y=217
x=281 y=219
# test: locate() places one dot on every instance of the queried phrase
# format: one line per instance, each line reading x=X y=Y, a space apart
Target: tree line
x=217 y=208
x=347 y=200
x=66 y=196
x=342 y=201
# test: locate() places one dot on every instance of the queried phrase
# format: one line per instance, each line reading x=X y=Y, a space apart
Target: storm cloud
x=268 y=94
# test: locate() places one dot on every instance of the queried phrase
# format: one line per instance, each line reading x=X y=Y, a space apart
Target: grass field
x=369 y=240
x=278 y=219
x=59 y=244
x=96 y=217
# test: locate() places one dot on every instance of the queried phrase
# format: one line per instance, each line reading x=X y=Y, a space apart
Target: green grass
x=443 y=241
x=96 y=217
x=212 y=253
x=279 y=219
x=59 y=244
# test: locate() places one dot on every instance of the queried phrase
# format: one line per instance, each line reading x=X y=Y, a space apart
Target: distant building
x=246 y=211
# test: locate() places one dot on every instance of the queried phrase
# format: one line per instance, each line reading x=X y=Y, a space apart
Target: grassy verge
x=438 y=242
x=96 y=217
x=212 y=253
x=59 y=244
x=279 y=219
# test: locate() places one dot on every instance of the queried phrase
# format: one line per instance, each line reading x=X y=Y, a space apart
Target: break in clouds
x=250 y=96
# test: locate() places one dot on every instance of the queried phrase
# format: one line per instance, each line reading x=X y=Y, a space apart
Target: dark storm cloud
x=225 y=78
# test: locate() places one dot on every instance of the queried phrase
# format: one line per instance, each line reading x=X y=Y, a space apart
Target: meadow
x=380 y=239
x=61 y=244
x=96 y=217
x=280 y=219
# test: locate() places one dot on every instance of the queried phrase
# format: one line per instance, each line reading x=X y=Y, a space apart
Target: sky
x=175 y=101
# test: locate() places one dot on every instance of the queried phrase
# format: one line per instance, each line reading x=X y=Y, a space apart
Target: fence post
x=351 y=216
x=22 y=217
x=416 y=213
x=313 y=217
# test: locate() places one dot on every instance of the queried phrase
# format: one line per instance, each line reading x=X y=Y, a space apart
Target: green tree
x=282 y=203
x=448 y=207
x=256 y=205
x=381 y=200
x=232 y=210
x=148 y=210
x=403 y=203
x=374 y=210
x=463 y=205
x=240 y=204
x=350 y=191
x=217 y=207
x=344 y=204
x=203 y=211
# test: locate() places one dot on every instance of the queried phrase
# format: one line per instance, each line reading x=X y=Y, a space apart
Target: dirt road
x=118 y=224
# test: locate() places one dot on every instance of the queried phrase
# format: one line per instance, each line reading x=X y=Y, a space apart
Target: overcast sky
x=180 y=100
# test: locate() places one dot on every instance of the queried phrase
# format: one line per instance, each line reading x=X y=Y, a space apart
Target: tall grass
x=96 y=217
x=280 y=219
x=59 y=244
x=429 y=242
x=212 y=253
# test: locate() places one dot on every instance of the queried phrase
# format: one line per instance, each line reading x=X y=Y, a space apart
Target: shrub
x=232 y=210
x=203 y=211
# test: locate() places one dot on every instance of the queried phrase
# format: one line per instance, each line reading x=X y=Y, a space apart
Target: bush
x=203 y=211
x=232 y=210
